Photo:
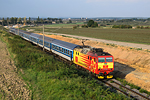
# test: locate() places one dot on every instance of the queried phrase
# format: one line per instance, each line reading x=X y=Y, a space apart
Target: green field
x=63 y=25
x=141 y=36
x=126 y=35
x=49 y=79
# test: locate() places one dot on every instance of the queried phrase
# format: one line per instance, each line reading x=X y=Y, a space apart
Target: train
x=94 y=60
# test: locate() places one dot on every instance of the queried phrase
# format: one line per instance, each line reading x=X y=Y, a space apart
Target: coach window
x=52 y=46
x=64 y=50
x=76 y=53
x=68 y=52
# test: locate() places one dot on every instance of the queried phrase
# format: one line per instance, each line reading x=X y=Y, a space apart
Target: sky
x=74 y=8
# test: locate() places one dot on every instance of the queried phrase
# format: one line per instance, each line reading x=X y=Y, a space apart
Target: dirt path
x=11 y=85
x=135 y=45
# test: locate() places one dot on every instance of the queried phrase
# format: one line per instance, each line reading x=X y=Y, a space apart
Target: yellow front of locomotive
x=105 y=66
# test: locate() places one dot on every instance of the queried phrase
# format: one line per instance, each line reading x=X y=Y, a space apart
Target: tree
x=84 y=26
x=29 y=20
x=90 y=23
x=19 y=20
x=60 y=20
x=138 y=27
x=12 y=20
x=41 y=20
x=70 y=21
x=15 y=20
x=38 y=19
x=74 y=27
x=95 y=24
x=7 y=20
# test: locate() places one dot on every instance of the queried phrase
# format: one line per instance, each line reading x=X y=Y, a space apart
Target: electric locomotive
x=95 y=60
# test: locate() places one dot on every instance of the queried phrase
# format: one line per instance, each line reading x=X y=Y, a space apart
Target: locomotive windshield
x=109 y=59
x=101 y=59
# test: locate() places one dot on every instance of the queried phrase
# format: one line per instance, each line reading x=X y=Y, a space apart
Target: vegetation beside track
x=51 y=79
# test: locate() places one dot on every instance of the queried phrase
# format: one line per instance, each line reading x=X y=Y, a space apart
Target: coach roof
x=64 y=44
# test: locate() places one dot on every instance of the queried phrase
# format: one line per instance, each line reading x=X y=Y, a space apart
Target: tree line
x=142 y=27
x=121 y=26
x=15 y=20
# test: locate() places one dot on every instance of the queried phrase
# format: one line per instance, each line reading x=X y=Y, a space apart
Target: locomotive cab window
x=109 y=59
x=101 y=59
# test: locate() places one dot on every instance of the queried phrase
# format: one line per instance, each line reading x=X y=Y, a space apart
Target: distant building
x=53 y=22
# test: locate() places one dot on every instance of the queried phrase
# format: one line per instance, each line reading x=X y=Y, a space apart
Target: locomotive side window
x=109 y=59
x=101 y=59
x=88 y=57
x=94 y=60
x=76 y=53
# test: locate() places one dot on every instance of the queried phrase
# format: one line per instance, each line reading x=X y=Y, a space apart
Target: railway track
x=132 y=93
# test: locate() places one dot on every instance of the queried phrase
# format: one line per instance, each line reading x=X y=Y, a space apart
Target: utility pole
x=8 y=23
x=2 y=25
x=18 y=29
x=43 y=37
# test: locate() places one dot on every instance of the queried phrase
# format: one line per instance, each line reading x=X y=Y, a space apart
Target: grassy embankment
x=51 y=79
x=125 y=35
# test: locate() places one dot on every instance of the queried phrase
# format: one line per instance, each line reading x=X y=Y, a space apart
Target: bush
x=74 y=27
x=122 y=26
x=84 y=26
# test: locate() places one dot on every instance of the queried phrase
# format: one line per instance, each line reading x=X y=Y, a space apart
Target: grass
x=49 y=79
